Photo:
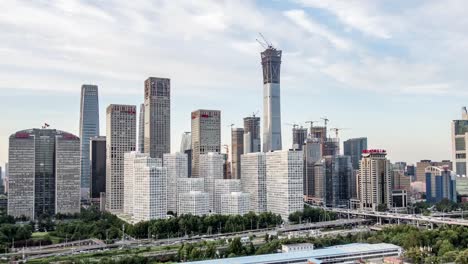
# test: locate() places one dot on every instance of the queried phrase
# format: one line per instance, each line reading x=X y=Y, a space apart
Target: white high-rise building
x=211 y=168
x=176 y=165
x=284 y=183
x=235 y=203
x=150 y=190
x=253 y=180
x=120 y=139
x=186 y=185
x=223 y=186
x=141 y=129
x=460 y=144
x=131 y=161
x=375 y=180
x=271 y=64
x=194 y=203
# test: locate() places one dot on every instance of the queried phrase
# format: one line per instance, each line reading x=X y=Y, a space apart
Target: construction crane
x=264 y=43
x=45 y=126
x=231 y=126
x=311 y=123
x=294 y=125
x=336 y=130
x=325 y=120
x=255 y=113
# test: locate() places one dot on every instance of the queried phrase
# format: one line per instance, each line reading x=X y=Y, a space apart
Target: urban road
x=379 y=216
x=93 y=245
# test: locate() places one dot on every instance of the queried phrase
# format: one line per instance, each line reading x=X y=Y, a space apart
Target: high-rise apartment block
x=188 y=185
x=206 y=136
x=237 y=149
x=224 y=186
x=98 y=168
x=284 y=182
x=252 y=141
x=157 y=117
x=141 y=129
x=120 y=139
x=194 y=203
x=460 y=144
x=423 y=164
x=271 y=64
x=176 y=165
x=235 y=203
x=375 y=180
x=145 y=187
x=353 y=147
x=440 y=184
x=211 y=169
x=299 y=136
x=44 y=173
x=89 y=127
x=253 y=180
x=132 y=160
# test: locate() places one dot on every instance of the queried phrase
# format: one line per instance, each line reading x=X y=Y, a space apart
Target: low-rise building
x=297 y=247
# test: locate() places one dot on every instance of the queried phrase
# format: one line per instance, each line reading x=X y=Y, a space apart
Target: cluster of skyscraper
x=52 y=171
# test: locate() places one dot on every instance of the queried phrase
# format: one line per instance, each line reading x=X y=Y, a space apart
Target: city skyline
x=380 y=50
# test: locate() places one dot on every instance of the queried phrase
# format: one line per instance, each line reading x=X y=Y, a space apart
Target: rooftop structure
x=337 y=254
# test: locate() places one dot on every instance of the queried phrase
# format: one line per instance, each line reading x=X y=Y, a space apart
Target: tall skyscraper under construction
x=271 y=64
x=299 y=137
x=157 y=117
x=252 y=134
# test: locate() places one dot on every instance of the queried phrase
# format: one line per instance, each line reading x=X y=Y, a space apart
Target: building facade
x=253 y=180
x=440 y=184
x=271 y=64
x=224 y=186
x=98 y=167
x=120 y=139
x=235 y=203
x=141 y=129
x=284 y=182
x=374 y=181
x=67 y=176
x=89 y=127
x=44 y=173
x=423 y=164
x=157 y=116
x=354 y=147
x=299 y=136
x=460 y=144
x=150 y=190
x=237 y=149
x=211 y=169
x=312 y=154
x=338 y=177
x=206 y=136
x=194 y=203
x=252 y=142
x=176 y=165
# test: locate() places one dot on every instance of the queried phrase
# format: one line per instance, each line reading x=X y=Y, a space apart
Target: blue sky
x=394 y=71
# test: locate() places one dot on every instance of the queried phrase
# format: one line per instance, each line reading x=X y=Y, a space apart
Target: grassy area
x=43 y=235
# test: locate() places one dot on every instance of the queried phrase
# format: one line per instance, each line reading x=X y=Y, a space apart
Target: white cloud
x=299 y=18
x=360 y=15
